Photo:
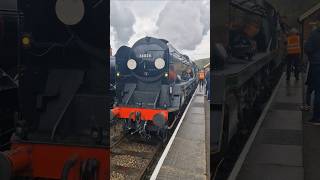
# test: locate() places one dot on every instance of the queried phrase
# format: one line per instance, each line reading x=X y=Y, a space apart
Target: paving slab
x=282 y=119
x=193 y=132
x=286 y=155
x=282 y=137
x=272 y=172
x=173 y=173
x=291 y=96
x=196 y=110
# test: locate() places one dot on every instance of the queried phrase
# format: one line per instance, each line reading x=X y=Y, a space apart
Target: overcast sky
x=184 y=23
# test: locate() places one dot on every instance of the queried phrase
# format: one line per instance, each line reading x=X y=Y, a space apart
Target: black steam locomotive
x=242 y=85
x=153 y=83
x=62 y=93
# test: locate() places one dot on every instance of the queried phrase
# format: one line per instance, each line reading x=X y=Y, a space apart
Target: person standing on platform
x=310 y=89
x=293 y=53
x=312 y=49
x=208 y=84
x=201 y=77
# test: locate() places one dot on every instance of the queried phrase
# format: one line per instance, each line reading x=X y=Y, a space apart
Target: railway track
x=133 y=160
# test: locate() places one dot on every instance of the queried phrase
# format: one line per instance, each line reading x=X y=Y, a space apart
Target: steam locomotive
x=153 y=83
x=241 y=86
x=61 y=131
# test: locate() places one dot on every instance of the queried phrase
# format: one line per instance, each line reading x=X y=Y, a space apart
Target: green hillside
x=202 y=62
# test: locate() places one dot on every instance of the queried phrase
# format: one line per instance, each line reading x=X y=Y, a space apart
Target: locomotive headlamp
x=166 y=75
x=132 y=64
x=159 y=63
x=26 y=40
x=118 y=74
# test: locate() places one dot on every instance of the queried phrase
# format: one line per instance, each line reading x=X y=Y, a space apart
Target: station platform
x=187 y=156
x=275 y=149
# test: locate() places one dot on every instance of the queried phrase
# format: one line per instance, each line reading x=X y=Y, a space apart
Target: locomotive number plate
x=146 y=55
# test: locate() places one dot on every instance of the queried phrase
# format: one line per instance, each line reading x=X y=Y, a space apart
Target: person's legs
x=308 y=95
x=296 y=61
x=315 y=83
x=289 y=66
x=207 y=89
x=316 y=106
x=307 y=105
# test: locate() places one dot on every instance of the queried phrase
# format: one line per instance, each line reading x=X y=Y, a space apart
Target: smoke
x=205 y=16
x=184 y=23
x=121 y=22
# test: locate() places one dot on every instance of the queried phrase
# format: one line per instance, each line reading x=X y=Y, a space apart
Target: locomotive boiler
x=153 y=83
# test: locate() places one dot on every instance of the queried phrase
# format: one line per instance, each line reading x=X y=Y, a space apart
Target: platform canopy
x=309 y=13
x=250 y=6
x=8 y=5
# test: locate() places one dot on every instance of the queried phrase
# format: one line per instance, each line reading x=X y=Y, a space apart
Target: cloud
x=202 y=50
x=184 y=23
x=113 y=40
x=205 y=15
x=143 y=27
x=121 y=20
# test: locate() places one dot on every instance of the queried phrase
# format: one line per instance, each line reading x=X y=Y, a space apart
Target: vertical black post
x=306 y=64
x=219 y=34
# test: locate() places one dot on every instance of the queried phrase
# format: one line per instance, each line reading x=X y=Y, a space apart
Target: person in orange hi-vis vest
x=201 y=76
x=293 y=53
